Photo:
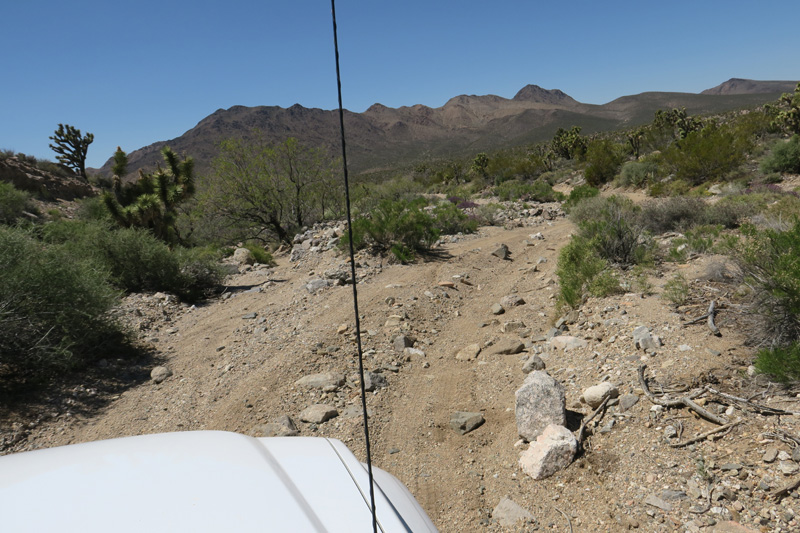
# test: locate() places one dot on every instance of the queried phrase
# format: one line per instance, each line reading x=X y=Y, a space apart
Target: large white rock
x=539 y=402
x=553 y=450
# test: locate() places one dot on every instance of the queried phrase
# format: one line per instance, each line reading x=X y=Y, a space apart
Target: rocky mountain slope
x=382 y=137
x=281 y=340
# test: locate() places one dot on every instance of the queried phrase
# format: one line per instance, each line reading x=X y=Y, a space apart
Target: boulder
x=539 y=402
x=552 y=451
x=243 y=256
x=318 y=413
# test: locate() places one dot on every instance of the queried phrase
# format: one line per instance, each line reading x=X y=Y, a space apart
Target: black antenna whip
x=353 y=275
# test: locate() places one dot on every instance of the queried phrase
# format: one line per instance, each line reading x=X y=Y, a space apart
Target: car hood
x=200 y=481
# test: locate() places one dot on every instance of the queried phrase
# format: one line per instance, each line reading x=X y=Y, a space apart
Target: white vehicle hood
x=200 y=481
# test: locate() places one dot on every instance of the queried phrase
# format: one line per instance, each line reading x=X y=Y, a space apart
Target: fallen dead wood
x=600 y=408
x=779 y=494
x=761 y=409
x=713 y=327
x=684 y=401
x=722 y=429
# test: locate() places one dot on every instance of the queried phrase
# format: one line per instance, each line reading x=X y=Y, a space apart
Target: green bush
x=612 y=226
x=578 y=194
x=785 y=157
x=136 y=260
x=676 y=290
x=780 y=362
x=770 y=263
x=53 y=308
x=603 y=159
x=581 y=270
x=637 y=173
x=537 y=191
x=449 y=220
x=706 y=155
x=260 y=254
x=13 y=203
x=399 y=226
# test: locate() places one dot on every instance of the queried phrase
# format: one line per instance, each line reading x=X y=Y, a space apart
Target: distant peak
x=534 y=93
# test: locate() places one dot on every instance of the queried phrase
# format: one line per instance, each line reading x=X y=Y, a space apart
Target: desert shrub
x=93 y=208
x=13 y=203
x=260 y=254
x=486 y=214
x=578 y=194
x=449 y=220
x=669 y=187
x=672 y=214
x=537 y=191
x=770 y=264
x=780 y=362
x=603 y=159
x=399 y=226
x=581 y=270
x=637 y=173
x=707 y=154
x=612 y=225
x=53 y=307
x=785 y=157
x=135 y=259
x=676 y=290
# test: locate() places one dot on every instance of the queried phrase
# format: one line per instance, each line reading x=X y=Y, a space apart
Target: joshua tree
x=71 y=148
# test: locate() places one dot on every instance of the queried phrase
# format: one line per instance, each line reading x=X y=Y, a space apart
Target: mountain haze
x=383 y=137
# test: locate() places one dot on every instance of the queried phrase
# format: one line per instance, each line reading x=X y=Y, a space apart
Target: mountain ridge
x=384 y=137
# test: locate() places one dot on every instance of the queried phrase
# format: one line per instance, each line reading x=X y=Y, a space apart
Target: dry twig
x=722 y=429
x=779 y=494
x=565 y=516
x=600 y=407
x=685 y=401
x=762 y=409
x=713 y=327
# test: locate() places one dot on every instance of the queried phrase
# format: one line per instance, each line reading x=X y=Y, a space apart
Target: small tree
x=71 y=148
x=568 y=143
x=120 y=166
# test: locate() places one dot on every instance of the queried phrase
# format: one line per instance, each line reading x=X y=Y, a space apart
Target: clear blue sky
x=134 y=73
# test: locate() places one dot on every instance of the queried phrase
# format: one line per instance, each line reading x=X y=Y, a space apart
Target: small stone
x=401 y=342
x=788 y=468
x=316 y=285
x=534 y=362
x=567 y=342
x=318 y=413
x=469 y=352
x=464 y=422
x=771 y=454
x=447 y=284
x=497 y=309
x=512 y=300
x=160 y=373
x=552 y=451
x=249 y=316
x=502 y=252
x=627 y=401
x=323 y=380
x=655 y=501
x=508 y=513
x=374 y=381
x=508 y=347
x=796 y=454
x=594 y=395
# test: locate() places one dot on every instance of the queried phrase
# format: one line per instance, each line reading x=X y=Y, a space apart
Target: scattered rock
x=316 y=285
x=644 y=340
x=160 y=373
x=502 y=252
x=593 y=396
x=539 y=402
x=552 y=451
x=468 y=353
x=509 y=514
x=498 y=309
x=655 y=501
x=534 y=362
x=627 y=401
x=318 y=413
x=401 y=342
x=464 y=422
x=374 y=381
x=323 y=380
x=771 y=454
x=283 y=426
x=508 y=347
x=243 y=256
x=567 y=342
x=512 y=300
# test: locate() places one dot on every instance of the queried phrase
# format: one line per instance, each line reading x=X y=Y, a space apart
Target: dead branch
x=569 y=522
x=789 y=439
x=600 y=407
x=685 y=401
x=762 y=409
x=713 y=327
x=779 y=494
x=722 y=429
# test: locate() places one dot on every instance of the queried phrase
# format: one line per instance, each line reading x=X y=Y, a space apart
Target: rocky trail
x=448 y=342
